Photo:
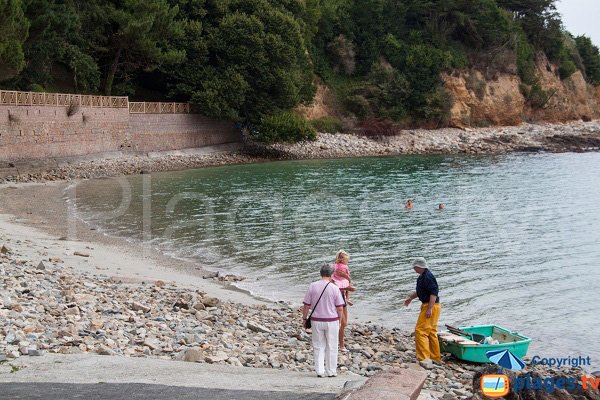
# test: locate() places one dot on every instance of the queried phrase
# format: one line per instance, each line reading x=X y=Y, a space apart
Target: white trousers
x=325 y=345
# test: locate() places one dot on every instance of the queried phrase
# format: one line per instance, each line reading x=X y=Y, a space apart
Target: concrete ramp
x=395 y=384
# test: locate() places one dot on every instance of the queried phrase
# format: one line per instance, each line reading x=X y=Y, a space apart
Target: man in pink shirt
x=326 y=302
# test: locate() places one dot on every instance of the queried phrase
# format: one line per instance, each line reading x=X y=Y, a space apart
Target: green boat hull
x=513 y=341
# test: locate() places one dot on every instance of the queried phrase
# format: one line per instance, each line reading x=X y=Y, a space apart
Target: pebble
x=562 y=137
x=67 y=312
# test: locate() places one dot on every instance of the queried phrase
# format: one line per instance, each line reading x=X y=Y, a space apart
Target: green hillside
x=254 y=60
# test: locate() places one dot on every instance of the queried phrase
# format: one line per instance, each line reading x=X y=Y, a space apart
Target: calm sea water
x=517 y=245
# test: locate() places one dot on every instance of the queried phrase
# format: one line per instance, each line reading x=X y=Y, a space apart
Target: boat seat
x=451 y=337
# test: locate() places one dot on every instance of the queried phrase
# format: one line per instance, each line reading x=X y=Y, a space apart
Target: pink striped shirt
x=332 y=298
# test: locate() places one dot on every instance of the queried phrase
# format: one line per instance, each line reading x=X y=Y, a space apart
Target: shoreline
x=111 y=299
x=575 y=136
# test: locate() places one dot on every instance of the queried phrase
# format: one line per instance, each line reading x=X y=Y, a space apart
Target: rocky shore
x=574 y=136
x=47 y=306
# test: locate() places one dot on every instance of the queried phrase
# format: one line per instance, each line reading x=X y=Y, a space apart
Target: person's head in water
x=441 y=206
x=419 y=265
x=408 y=204
x=342 y=257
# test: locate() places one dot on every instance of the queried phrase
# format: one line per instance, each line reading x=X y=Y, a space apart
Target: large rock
x=210 y=301
x=218 y=357
x=72 y=311
x=257 y=328
x=135 y=306
x=193 y=355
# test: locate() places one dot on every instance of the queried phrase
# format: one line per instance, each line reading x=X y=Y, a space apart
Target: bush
x=378 y=127
x=358 y=105
x=327 y=124
x=525 y=59
x=591 y=59
x=286 y=126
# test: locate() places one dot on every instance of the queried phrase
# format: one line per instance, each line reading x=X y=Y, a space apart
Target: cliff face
x=479 y=101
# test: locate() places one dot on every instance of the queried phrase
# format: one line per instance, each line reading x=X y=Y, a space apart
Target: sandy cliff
x=481 y=101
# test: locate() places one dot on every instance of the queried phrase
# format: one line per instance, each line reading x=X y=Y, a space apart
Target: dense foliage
x=13 y=32
x=254 y=60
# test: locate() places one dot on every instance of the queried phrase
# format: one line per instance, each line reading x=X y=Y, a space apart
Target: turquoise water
x=517 y=245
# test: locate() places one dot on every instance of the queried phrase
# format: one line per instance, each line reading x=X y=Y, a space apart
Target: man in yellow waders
x=426 y=338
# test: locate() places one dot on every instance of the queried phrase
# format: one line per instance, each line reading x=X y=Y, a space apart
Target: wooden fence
x=15 y=98
x=159 y=108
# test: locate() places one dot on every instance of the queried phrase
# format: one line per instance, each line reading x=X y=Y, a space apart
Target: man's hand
x=428 y=313
x=407 y=301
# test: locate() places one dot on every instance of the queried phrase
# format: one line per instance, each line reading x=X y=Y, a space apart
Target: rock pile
x=575 y=136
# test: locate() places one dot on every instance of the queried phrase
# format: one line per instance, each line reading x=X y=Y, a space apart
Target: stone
x=193 y=355
x=210 y=301
x=5 y=250
x=41 y=266
x=3 y=357
x=55 y=260
x=16 y=307
x=72 y=311
x=104 y=350
x=135 y=306
x=35 y=352
x=199 y=306
x=218 y=357
x=258 y=328
x=159 y=284
x=81 y=254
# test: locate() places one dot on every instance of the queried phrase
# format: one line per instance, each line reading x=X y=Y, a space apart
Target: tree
x=55 y=39
x=246 y=61
x=131 y=35
x=13 y=32
x=590 y=55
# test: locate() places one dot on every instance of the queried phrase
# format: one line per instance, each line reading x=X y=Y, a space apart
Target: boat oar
x=473 y=336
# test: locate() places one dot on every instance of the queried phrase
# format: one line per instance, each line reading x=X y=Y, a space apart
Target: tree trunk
x=111 y=72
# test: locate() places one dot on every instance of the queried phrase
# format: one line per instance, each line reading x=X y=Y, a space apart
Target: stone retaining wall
x=158 y=132
x=41 y=132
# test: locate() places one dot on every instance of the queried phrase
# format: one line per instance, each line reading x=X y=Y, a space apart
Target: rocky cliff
x=498 y=100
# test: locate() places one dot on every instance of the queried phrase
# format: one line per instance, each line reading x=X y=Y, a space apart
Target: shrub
x=286 y=126
x=378 y=127
x=478 y=86
x=358 y=105
x=525 y=59
x=342 y=54
x=327 y=124
x=591 y=59
x=566 y=69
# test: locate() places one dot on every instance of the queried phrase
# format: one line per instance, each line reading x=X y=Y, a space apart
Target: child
x=341 y=276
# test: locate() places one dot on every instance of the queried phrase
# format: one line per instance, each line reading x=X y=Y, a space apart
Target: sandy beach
x=49 y=231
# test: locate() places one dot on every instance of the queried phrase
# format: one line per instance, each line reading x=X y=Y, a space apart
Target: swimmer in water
x=409 y=204
x=441 y=206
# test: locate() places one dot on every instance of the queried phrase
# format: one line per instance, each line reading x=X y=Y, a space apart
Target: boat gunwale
x=526 y=339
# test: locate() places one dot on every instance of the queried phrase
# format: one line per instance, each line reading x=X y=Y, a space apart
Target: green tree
x=590 y=56
x=131 y=35
x=247 y=60
x=55 y=39
x=13 y=32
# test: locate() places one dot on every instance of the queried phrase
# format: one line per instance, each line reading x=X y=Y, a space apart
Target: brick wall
x=43 y=132
x=156 y=132
x=37 y=132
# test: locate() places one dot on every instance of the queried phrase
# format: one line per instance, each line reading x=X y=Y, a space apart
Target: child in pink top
x=341 y=276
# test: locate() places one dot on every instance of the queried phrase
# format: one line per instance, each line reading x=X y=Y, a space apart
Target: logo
x=498 y=385
x=495 y=386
